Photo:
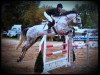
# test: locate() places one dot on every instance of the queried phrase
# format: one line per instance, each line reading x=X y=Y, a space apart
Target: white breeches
x=48 y=17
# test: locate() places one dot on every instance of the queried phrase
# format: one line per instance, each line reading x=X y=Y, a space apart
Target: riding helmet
x=60 y=5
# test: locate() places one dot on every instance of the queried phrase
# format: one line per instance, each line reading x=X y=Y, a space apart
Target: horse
x=61 y=27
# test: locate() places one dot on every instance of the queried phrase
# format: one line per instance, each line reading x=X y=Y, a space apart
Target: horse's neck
x=60 y=21
x=57 y=19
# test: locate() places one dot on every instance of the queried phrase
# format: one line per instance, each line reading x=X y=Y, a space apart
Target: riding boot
x=50 y=24
x=49 y=29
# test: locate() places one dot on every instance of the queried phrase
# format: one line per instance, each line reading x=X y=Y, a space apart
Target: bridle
x=77 y=19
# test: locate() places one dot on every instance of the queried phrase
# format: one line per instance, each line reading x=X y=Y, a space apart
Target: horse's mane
x=69 y=12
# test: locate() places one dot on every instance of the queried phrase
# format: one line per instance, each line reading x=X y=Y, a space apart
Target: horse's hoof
x=18 y=60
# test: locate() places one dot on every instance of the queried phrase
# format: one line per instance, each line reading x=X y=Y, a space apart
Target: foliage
x=26 y=13
x=18 y=12
x=89 y=14
x=29 y=14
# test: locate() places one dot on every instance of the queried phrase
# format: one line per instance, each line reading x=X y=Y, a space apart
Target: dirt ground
x=10 y=65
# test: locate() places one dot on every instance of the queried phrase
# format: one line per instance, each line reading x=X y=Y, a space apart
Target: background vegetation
x=29 y=14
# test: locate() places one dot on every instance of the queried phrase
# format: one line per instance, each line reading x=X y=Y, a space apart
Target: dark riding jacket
x=53 y=11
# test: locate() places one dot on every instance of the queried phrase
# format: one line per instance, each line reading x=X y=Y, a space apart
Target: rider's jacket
x=53 y=12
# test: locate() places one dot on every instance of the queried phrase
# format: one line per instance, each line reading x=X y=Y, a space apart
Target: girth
x=54 y=30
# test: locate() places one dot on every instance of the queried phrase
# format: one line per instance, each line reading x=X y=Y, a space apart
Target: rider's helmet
x=60 y=5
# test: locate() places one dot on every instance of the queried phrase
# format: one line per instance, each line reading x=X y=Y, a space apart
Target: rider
x=52 y=12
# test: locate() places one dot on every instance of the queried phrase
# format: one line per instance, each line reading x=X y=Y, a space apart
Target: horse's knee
x=24 y=48
x=27 y=44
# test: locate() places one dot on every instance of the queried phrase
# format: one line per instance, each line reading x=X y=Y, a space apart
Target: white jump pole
x=54 y=63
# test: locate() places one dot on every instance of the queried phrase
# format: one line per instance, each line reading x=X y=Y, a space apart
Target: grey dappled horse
x=62 y=26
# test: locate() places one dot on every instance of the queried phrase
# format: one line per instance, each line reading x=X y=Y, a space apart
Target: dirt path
x=9 y=56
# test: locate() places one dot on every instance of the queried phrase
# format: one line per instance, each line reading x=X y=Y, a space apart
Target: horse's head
x=69 y=18
x=75 y=18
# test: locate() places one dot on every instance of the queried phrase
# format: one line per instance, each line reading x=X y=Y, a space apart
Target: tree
x=28 y=15
x=13 y=11
x=89 y=14
x=8 y=14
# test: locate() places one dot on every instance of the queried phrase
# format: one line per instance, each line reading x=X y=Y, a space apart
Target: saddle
x=46 y=26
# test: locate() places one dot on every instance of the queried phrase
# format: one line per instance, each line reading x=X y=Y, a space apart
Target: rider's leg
x=50 y=24
x=51 y=21
x=48 y=17
x=49 y=27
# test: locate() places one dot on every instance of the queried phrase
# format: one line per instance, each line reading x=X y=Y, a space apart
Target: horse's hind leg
x=27 y=45
x=24 y=49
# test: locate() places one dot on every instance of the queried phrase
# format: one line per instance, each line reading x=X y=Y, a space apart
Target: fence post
x=71 y=49
x=87 y=51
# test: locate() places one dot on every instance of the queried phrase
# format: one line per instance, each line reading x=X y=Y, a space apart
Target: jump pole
x=54 y=63
x=87 y=47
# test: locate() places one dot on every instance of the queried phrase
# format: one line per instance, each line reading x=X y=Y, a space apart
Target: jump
x=63 y=25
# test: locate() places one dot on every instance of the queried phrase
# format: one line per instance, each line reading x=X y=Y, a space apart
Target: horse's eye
x=78 y=19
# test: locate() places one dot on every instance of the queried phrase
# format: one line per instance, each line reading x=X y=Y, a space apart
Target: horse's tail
x=22 y=38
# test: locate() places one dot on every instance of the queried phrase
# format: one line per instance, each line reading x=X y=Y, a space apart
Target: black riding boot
x=49 y=29
x=50 y=24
